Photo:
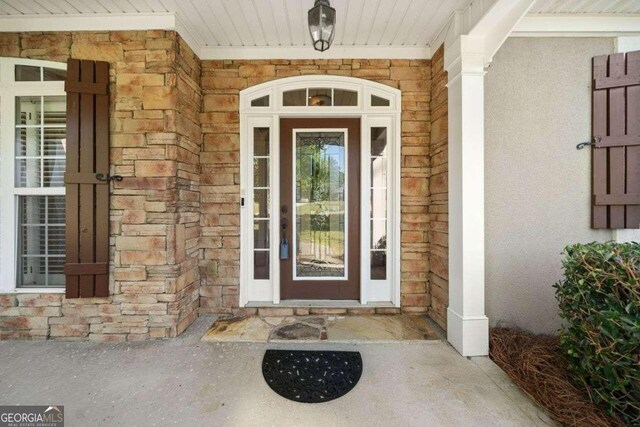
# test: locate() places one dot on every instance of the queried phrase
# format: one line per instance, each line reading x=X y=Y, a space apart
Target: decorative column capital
x=466 y=56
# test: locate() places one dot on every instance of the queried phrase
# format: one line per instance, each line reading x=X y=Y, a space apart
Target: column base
x=469 y=335
x=627 y=235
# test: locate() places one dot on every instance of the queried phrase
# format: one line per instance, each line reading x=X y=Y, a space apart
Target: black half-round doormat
x=311 y=376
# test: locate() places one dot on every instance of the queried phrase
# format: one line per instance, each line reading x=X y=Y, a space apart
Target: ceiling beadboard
x=586 y=7
x=271 y=23
x=375 y=28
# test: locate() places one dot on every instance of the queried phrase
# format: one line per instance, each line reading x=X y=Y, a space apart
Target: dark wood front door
x=320 y=208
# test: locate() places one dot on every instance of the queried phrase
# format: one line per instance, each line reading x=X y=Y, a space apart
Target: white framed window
x=32 y=166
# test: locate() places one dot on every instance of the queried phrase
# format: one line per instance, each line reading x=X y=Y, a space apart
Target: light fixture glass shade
x=322 y=24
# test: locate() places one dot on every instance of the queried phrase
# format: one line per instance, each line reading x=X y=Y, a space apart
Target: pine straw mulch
x=535 y=364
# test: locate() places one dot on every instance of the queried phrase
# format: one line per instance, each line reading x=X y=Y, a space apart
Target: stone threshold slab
x=320 y=304
x=338 y=329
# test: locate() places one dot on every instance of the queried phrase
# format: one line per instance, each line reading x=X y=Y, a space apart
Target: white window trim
x=9 y=89
x=257 y=293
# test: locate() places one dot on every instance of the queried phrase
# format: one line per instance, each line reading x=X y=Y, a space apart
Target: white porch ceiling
x=587 y=7
x=237 y=23
x=264 y=28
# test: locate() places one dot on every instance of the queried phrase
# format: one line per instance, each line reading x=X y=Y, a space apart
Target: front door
x=320 y=209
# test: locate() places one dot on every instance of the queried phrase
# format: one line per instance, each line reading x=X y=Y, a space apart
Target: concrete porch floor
x=186 y=381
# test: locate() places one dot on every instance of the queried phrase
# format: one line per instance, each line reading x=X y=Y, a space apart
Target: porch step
x=323 y=328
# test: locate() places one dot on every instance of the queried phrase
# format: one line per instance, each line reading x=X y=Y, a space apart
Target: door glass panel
x=40 y=141
x=319 y=97
x=294 y=98
x=53 y=74
x=378 y=265
x=379 y=172
x=261 y=265
x=261 y=203
x=377 y=101
x=379 y=203
x=378 y=234
x=378 y=141
x=261 y=141
x=261 y=234
x=320 y=204
x=30 y=73
x=41 y=241
x=345 y=98
x=27 y=73
x=263 y=101
x=260 y=172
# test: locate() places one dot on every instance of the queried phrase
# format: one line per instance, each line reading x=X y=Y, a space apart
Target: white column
x=627 y=44
x=467 y=325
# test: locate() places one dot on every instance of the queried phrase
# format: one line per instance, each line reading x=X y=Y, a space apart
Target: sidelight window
x=378 y=212
x=261 y=202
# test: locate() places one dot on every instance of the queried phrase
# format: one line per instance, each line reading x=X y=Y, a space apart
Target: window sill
x=33 y=291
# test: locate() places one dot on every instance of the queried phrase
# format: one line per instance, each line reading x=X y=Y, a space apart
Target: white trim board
x=627 y=44
x=307 y=52
x=89 y=22
x=577 y=26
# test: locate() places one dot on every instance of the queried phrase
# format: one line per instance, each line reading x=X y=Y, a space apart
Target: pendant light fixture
x=322 y=25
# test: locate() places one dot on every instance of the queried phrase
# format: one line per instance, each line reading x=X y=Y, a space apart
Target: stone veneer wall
x=175 y=139
x=155 y=220
x=220 y=162
x=438 y=190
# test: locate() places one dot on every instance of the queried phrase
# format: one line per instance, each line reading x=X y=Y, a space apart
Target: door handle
x=284 y=243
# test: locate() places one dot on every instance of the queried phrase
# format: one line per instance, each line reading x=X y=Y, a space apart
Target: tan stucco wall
x=538 y=107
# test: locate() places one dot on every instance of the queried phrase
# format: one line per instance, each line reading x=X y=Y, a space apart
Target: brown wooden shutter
x=87 y=179
x=616 y=141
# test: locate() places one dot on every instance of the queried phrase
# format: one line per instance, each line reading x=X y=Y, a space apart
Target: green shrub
x=600 y=303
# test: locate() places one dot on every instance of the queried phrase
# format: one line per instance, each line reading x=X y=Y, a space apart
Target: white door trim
x=266 y=292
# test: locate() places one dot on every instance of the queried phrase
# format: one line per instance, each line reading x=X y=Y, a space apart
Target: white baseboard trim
x=469 y=335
